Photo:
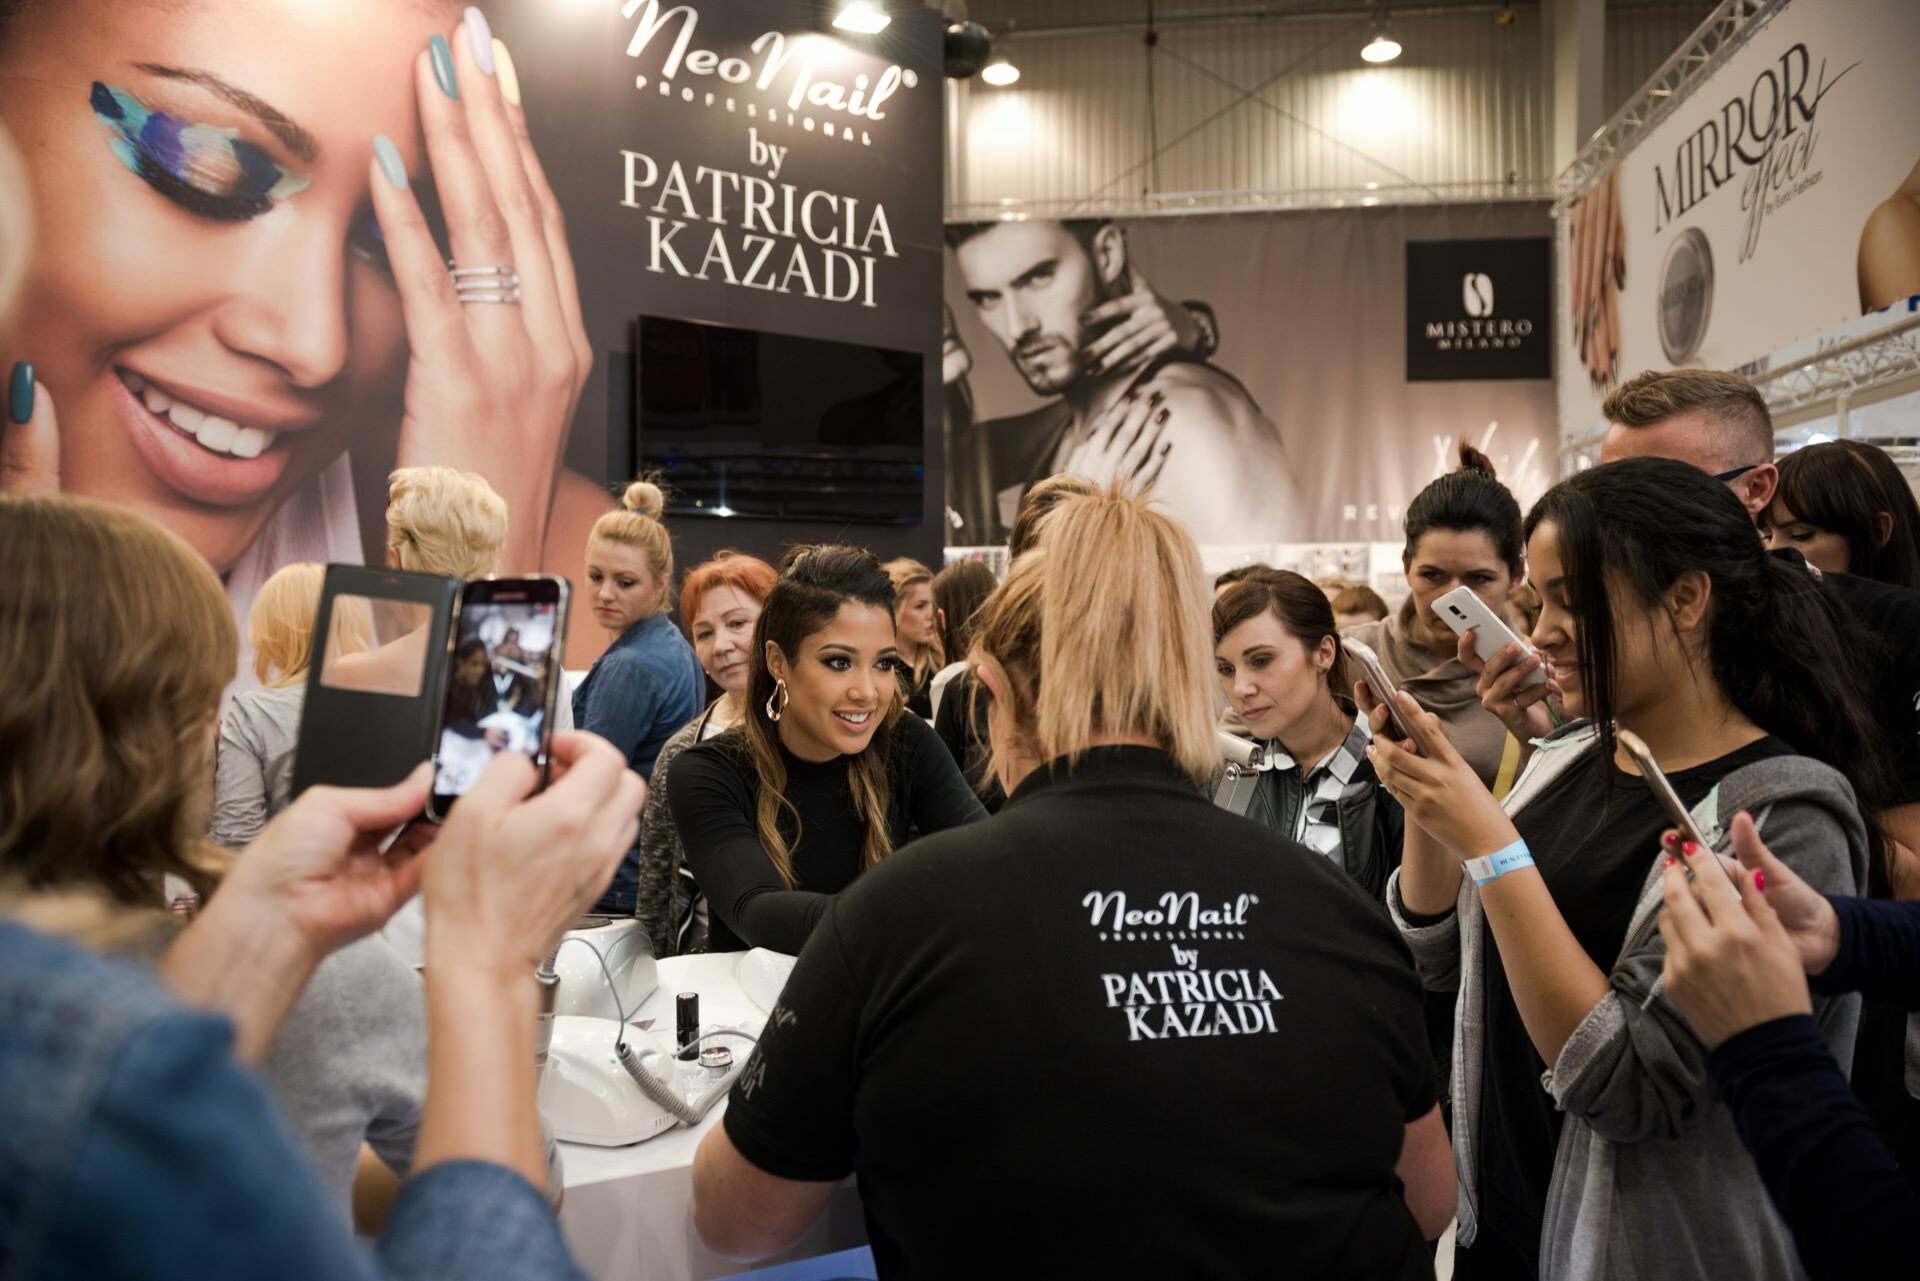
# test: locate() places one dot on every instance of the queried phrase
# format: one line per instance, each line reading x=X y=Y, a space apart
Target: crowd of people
x=1037 y=845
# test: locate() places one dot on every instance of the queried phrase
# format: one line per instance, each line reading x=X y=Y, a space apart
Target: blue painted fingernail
x=443 y=66
x=480 y=37
x=20 y=393
x=389 y=157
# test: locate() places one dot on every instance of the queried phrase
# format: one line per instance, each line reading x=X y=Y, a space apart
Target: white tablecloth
x=629 y=1211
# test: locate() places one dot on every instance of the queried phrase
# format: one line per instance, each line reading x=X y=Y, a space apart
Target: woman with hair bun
x=827 y=775
x=648 y=683
x=1463 y=530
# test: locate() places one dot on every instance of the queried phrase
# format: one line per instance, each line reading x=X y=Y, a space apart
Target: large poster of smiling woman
x=241 y=313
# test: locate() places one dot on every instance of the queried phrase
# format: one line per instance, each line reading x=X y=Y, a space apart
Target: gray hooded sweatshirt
x=1651 y=1182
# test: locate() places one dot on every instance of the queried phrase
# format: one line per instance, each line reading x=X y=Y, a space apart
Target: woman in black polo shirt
x=1113 y=1030
x=827 y=775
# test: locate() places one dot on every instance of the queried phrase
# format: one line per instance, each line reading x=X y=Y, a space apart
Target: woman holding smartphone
x=1542 y=914
x=827 y=775
x=648 y=683
x=721 y=602
x=1282 y=669
x=1463 y=530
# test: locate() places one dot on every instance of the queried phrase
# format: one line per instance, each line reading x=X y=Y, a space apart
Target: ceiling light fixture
x=1000 y=73
x=1383 y=47
x=864 y=17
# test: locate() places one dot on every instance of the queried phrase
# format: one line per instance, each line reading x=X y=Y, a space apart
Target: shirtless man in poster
x=1217 y=463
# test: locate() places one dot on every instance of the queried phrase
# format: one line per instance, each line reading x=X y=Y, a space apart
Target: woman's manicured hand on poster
x=1144 y=327
x=29 y=437
x=491 y=387
x=1125 y=442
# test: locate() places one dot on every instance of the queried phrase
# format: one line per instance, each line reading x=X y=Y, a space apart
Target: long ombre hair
x=814 y=583
x=1081 y=661
x=106 y=753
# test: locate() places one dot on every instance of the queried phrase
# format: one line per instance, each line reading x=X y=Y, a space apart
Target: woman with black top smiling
x=827 y=775
x=1585 y=1123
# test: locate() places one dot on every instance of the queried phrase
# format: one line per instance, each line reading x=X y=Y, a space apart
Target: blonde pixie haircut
x=1080 y=660
x=106 y=749
x=442 y=521
x=637 y=524
x=280 y=624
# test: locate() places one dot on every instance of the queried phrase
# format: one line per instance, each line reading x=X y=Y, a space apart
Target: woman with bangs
x=1847 y=508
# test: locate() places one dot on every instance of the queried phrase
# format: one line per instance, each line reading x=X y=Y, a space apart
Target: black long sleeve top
x=712 y=791
x=1825 y=1164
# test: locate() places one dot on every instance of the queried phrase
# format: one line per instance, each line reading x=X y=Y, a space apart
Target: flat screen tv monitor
x=745 y=423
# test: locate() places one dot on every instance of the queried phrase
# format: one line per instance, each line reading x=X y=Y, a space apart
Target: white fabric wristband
x=1493 y=866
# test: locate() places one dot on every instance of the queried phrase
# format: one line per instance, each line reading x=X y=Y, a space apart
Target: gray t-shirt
x=350 y=1064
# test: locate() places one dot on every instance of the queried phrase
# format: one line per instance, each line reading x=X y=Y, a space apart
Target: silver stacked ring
x=486 y=284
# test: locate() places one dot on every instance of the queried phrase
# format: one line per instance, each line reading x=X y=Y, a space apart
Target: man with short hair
x=1038 y=285
x=1719 y=423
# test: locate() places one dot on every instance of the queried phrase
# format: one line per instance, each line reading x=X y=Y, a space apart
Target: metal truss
x=1843 y=371
x=1158 y=203
x=1833 y=376
x=1725 y=30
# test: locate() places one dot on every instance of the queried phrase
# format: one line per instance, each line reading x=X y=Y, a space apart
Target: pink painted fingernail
x=1666 y=860
x=1670 y=840
x=1759 y=880
x=1689 y=849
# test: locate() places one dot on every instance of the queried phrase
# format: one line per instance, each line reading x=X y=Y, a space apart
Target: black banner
x=1478 y=309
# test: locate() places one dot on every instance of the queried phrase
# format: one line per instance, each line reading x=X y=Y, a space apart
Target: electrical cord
x=660 y=1093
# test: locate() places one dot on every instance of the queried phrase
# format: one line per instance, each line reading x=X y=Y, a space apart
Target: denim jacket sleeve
x=146 y=1152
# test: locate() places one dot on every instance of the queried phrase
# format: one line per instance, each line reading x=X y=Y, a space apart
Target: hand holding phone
x=1381 y=687
x=1462 y=611
x=1656 y=781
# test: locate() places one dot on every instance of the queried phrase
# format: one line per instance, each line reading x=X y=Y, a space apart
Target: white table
x=629 y=1211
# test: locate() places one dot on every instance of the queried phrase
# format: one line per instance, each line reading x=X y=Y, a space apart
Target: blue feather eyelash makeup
x=206 y=169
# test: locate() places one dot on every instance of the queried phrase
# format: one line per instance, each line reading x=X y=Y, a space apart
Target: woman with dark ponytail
x=827 y=775
x=1586 y=1127
x=1463 y=530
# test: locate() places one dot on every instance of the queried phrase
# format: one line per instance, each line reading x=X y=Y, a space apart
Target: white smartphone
x=1461 y=610
x=1656 y=779
x=1381 y=687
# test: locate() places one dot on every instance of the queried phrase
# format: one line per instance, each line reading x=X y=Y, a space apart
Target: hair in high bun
x=1467 y=500
x=645 y=497
x=638 y=525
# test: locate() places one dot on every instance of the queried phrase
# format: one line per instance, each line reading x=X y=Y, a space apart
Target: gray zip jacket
x=1651 y=1182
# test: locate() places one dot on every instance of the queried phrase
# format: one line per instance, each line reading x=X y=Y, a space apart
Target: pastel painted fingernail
x=443 y=66
x=20 y=393
x=389 y=157
x=480 y=38
x=1759 y=880
x=503 y=68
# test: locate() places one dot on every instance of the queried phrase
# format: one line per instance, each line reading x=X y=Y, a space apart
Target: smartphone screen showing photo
x=497 y=687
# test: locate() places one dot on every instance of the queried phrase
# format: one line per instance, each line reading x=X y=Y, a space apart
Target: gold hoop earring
x=778 y=700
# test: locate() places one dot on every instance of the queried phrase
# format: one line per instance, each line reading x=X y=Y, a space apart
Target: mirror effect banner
x=1778 y=200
